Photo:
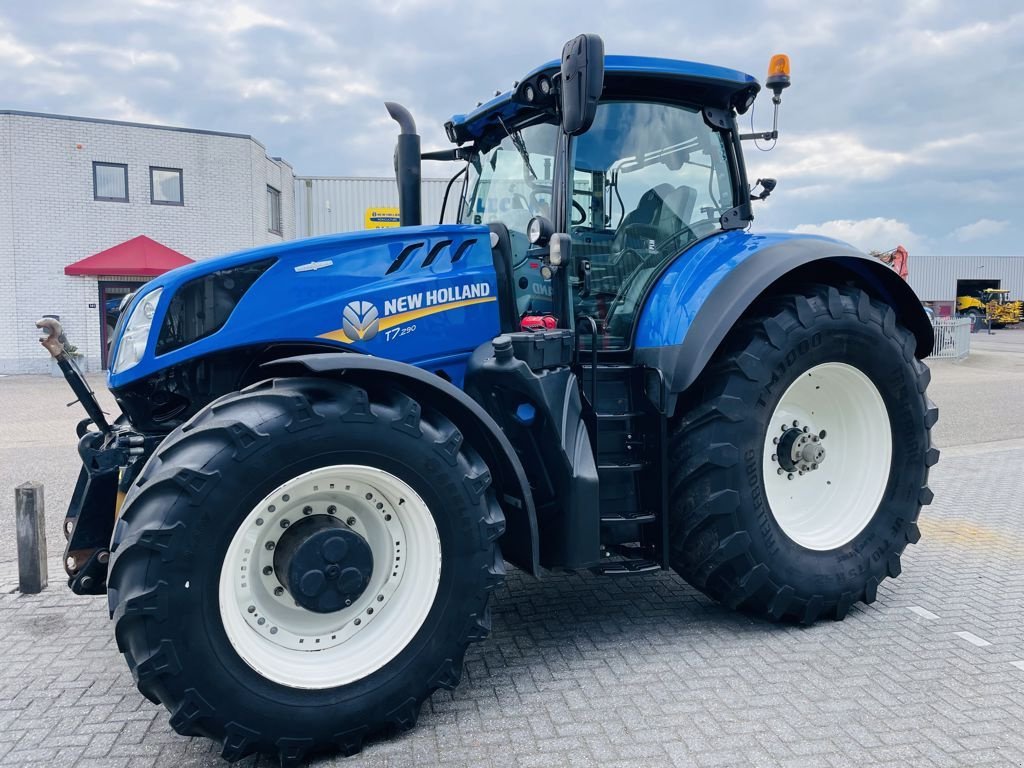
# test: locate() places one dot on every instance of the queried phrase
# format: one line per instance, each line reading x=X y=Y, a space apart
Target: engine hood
x=348 y=290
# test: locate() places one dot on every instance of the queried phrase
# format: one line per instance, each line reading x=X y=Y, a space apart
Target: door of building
x=111 y=294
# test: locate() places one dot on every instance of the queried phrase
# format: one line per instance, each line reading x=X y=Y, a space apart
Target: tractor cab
x=656 y=168
x=998 y=295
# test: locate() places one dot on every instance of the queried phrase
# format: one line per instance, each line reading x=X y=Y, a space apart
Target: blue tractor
x=329 y=448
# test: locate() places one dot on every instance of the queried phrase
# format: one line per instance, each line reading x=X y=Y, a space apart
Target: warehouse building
x=328 y=204
x=938 y=280
x=89 y=209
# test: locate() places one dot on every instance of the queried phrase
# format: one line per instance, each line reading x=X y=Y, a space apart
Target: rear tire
x=760 y=520
x=208 y=632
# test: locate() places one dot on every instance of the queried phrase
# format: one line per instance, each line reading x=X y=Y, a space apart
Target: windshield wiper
x=520 y=145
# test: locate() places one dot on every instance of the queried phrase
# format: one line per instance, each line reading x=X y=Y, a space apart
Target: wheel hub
x=799 y=450
x=323 y=563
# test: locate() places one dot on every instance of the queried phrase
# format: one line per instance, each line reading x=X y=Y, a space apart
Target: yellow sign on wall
x=381 y=218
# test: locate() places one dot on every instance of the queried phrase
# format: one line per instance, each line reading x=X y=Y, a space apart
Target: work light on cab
x=539 y=230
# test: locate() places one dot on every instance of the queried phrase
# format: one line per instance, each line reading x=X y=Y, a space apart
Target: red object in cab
x=538 y=322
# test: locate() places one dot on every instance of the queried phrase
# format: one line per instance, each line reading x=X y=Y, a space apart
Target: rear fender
x=700 y=297
x=519 y=544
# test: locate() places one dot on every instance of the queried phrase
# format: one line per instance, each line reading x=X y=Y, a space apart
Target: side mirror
x=582 y=82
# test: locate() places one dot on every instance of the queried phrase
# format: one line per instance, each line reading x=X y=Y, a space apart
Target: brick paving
x=637 y=671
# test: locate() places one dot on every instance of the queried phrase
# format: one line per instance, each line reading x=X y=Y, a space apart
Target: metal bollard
x=31 y=525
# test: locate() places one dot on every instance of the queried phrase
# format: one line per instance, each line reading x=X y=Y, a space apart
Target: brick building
x=72 y=188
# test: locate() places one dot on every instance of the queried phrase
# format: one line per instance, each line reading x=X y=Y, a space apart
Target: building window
x=274 y=210
x=165 y=187
x=110 y=182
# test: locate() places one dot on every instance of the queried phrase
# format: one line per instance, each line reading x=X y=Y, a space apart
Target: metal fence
x=952 y=337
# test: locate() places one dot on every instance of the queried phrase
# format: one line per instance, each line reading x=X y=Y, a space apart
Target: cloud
x=899 y=112
x=877 y=234
x=980 y=229
x=121 y=60
x=830 y=156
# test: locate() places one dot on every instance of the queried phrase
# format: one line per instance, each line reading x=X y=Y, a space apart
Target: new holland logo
x=360 y=320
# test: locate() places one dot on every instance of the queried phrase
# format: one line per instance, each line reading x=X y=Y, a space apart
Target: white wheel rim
x=303 y=649
x=831 y=502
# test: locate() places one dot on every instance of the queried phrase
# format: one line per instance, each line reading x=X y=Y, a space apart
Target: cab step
x=626 y=567
x=627 y=517
x=633 y=467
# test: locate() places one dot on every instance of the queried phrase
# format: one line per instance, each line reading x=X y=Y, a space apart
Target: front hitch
x=55 y=343
x=111 y=457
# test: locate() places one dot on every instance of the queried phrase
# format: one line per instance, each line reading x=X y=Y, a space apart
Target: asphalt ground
x=587 y=670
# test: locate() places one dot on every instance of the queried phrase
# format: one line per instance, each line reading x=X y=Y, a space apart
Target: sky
x=901 y=126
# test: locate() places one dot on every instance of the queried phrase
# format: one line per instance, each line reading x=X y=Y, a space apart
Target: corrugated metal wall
x=934 y=278
x=328 y=204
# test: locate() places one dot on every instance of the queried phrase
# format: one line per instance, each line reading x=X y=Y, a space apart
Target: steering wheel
x=651 y=233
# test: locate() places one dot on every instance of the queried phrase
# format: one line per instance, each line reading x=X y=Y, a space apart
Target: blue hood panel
x=437 y=304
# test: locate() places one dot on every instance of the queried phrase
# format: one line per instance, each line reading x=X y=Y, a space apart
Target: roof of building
x=104 y=121
x=139 y=257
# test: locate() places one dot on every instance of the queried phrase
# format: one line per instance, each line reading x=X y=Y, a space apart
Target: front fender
x=696 y=301
x=519 y=544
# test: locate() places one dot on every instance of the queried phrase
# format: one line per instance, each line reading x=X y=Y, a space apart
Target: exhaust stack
x=407 y=166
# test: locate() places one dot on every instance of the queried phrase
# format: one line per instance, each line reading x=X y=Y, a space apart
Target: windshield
x=648 y=179
x=510 y=183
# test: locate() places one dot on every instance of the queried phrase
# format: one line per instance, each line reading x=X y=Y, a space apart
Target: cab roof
x=705 y=83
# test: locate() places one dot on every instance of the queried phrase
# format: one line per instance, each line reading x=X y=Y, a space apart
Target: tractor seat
x=646 y=213
x=660 y=213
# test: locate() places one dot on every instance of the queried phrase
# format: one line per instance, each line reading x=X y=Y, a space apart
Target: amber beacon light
x=778 y=74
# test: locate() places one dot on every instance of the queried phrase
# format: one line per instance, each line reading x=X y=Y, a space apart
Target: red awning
x=139 y=257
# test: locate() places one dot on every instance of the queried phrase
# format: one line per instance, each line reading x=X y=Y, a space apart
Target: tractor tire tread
x=145 y=534
x=708 y=544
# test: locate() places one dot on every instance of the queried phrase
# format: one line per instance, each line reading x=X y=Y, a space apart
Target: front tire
x=223 y=608
x=800 y=464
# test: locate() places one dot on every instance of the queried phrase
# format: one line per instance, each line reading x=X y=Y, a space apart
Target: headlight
x=132 y=344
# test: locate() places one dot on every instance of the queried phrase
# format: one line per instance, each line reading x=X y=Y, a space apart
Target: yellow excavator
x=993 y=303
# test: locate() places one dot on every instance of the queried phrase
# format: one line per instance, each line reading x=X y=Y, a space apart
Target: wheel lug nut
x=251 y=609
x=807 y=429
x=285 y=523
x=267 y=570
x=775 y=440
x=821 y=434
x=775 y=457
x=796 y=423
x=307 y=510
x=350 y=522
x=269 y=545
x=789 y=476
x=332 y=510
x=278 y=591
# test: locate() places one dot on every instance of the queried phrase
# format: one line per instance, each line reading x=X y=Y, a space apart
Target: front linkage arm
x=92 y=512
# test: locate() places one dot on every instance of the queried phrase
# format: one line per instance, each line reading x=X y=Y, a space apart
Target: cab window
x=509 y=183
x=648 y=180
